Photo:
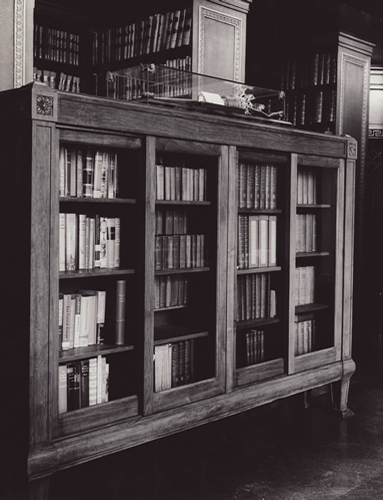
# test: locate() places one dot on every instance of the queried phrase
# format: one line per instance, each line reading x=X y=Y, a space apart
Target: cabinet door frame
x=154 y=402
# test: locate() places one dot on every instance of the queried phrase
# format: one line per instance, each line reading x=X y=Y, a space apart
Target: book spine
x=63 y=406
x=92 y=381
x=84 y=383
x=120 y=312
x=117 y=241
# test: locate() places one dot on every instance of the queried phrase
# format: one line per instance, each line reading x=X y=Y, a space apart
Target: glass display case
x=158 y=83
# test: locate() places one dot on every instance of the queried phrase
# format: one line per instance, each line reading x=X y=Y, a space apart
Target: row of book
x=52 y=44
x=169 y=221
x=304 y=285
x=88 y=242
x=173 y=365
x=306 y=186
x=170 y=291
x=257 y=186
x=89 y=173
x=82 y=317
x=161 y=83
x=304 y=336
x=309 y=71
x=83 y=383
x=180 y=183
x=305 y=233
x=257 y=241
x=154 y=34
x=311 y=108
x=255 y=346
x=179 y=251
x=69 y=83
x=255 y=299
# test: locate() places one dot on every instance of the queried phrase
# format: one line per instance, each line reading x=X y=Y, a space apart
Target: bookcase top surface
x=184 y=121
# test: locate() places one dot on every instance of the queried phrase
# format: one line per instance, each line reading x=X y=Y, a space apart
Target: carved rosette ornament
x=44 y=105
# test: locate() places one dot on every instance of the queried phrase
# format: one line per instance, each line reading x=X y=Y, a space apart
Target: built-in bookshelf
x=164 y=266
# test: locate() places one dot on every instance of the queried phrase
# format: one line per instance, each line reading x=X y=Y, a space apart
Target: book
x=110 y=242
x=70 y=241
x=73 y=386
x=263 y=241
x=120 y=312
x=117 y=241
x=63 y=407
x=92 y=381
x=84 y=383
x=253 y=222
x=62 y=242
x=77 y=320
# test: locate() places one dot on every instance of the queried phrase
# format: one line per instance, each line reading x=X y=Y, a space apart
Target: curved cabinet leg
x=340 y=389
x=39 y=489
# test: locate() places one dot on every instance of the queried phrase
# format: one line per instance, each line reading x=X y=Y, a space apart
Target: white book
x=62 y=242
x=62 y=389
x=92 y=224
x=62 y=171
x=81 y=241
x=98 y=163
x=99 y=379
x=92 y=381
x=72 y=321
x=84 y=320
x=272 y=240
x=117 y=236
x=71 y=240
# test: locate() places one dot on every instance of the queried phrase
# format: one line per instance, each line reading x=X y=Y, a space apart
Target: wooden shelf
x=266 y=211
x=186 y=270
x=183 y=203
x=170 y=308
x=173 y=333
x=92 y=351
x=311 y=206
x=307 y=308
x=94 y=273
x=111 y=201
x=252 y=270
x=256 y=323
x=300 y=255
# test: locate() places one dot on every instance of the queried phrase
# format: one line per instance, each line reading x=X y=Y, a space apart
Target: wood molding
x=19 y=43
x=220 y=17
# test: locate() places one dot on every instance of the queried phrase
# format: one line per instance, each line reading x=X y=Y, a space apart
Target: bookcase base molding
x=184 y=265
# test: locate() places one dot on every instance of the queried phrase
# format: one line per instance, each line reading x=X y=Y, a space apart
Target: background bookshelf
x=75 y=45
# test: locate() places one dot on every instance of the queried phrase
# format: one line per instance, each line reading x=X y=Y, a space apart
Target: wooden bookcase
x=222 y=363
